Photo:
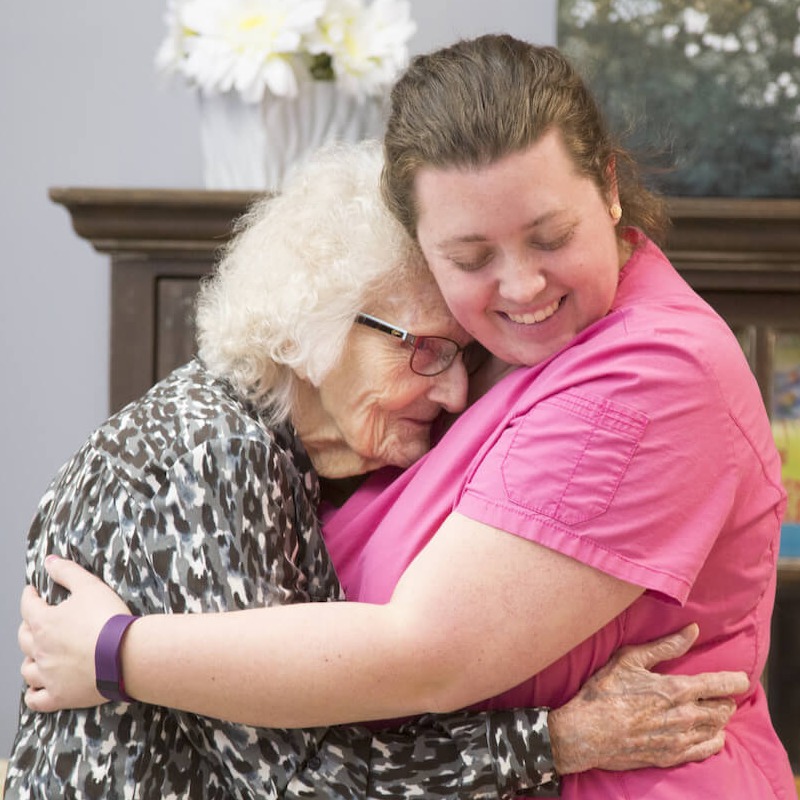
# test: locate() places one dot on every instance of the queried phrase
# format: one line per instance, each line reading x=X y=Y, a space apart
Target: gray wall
x=81 y=105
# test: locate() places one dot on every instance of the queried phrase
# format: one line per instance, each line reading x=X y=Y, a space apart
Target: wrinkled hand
x=626 y=717
x=58 y=641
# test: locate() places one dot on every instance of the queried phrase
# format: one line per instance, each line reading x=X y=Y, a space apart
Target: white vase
x=253 y=145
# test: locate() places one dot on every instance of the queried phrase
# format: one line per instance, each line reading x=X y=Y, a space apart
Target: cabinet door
x=175 y=330
x=152 y=320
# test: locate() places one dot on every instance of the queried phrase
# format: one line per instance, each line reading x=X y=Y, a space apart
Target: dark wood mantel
x=714 y=240
x=169 y=222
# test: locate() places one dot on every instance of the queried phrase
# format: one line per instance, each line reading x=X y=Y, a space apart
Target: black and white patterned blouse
x=185 y=501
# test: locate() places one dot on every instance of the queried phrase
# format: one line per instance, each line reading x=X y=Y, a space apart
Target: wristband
x=107 y=662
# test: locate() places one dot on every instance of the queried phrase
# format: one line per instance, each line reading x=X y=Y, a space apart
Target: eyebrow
x=473 y=238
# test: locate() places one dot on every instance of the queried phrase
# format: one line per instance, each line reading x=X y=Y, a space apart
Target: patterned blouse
x=186 y=501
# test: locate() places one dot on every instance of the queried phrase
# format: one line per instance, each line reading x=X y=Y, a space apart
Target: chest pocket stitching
x=601 y=424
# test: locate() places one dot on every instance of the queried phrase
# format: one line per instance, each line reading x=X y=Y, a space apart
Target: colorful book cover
x=786 y=429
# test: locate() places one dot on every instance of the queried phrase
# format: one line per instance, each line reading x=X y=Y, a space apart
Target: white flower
x=583 y=12
x=246 y=44
x=669 y=32
x=691 y=49
x=169 y=55
x=253 y=46
x=694 y=20
x=367 y=44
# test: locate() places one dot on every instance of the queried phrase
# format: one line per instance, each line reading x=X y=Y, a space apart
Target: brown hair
x=476 y=101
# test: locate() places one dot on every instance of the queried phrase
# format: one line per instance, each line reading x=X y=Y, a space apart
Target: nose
x=449 y=388
x=520 y=279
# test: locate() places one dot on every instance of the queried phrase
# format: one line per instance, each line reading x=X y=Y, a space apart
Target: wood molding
x=736 y=243
x=716 y=241
x=165 y=221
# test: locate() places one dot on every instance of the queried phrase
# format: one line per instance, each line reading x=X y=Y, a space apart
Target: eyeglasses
x=431 y=355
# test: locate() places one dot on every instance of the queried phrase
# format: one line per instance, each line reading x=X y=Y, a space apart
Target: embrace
x=602 y=475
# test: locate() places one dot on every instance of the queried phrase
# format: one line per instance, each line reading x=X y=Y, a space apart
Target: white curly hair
x=300 y=267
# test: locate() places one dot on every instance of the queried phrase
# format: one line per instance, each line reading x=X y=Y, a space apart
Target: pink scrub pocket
x=584 y=445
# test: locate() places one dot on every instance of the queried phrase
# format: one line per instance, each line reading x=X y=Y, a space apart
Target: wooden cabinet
x=742 y=255
x=160 y=244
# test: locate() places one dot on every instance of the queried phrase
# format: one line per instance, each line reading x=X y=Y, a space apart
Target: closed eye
x=553 y=244
x=469 y=265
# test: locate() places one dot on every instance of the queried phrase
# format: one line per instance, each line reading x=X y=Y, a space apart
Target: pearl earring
x=616 y=212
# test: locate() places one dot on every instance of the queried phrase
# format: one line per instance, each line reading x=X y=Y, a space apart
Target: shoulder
x=188 y=408
x=660 y=341
x=191 y=428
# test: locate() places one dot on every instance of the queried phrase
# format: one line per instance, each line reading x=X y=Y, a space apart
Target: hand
x=58 y=641
x=626 y=717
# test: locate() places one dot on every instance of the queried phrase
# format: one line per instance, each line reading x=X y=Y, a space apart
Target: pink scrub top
x=643 y=450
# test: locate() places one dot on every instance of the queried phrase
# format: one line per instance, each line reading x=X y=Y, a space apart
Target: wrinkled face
x=383 y=410
x=524 y=249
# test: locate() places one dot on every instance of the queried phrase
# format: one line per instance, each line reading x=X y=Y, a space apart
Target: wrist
x=554 y=720
x=107 y=658
x=519 y=743
x=566 y=743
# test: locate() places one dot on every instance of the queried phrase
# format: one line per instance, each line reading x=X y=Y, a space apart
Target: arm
x=483 y=756
x=469 y=756
x=427 y=650
x=624 y=717
x=365 y=661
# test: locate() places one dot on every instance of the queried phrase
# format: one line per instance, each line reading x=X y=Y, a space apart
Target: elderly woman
x=202 y=496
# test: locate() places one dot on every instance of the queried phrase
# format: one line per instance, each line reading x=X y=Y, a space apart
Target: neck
x=625 y=247
x=330 y=454
x=490 y=372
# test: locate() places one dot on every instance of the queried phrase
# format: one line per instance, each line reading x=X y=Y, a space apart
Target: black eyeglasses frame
x=410 y=339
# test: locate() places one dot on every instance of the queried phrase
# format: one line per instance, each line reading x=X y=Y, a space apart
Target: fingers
x=703 y=717
x=30 y=673
x=40 y=700
x=705 y=686
x=681 y=750
x=25 y=639
x=694 y=747
x=723 y=684
x=67 y=573
x=702 y=750
x=29 y=602
x=685 y=733
x=663 y=649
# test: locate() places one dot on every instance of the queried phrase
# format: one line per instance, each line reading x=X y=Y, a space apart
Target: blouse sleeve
x=469 y=756
x=462 y=756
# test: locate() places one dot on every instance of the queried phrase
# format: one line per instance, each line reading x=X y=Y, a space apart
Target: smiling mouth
x=535 y=317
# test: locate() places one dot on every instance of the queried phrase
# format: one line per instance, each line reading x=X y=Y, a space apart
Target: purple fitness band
x=107 y=666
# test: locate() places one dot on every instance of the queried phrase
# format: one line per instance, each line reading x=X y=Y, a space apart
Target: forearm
x=432 y=648
x=293 y=666
x=468 y=756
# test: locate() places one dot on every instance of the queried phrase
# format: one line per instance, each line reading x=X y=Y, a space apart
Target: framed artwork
x=706 y=94
x=707 y=90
